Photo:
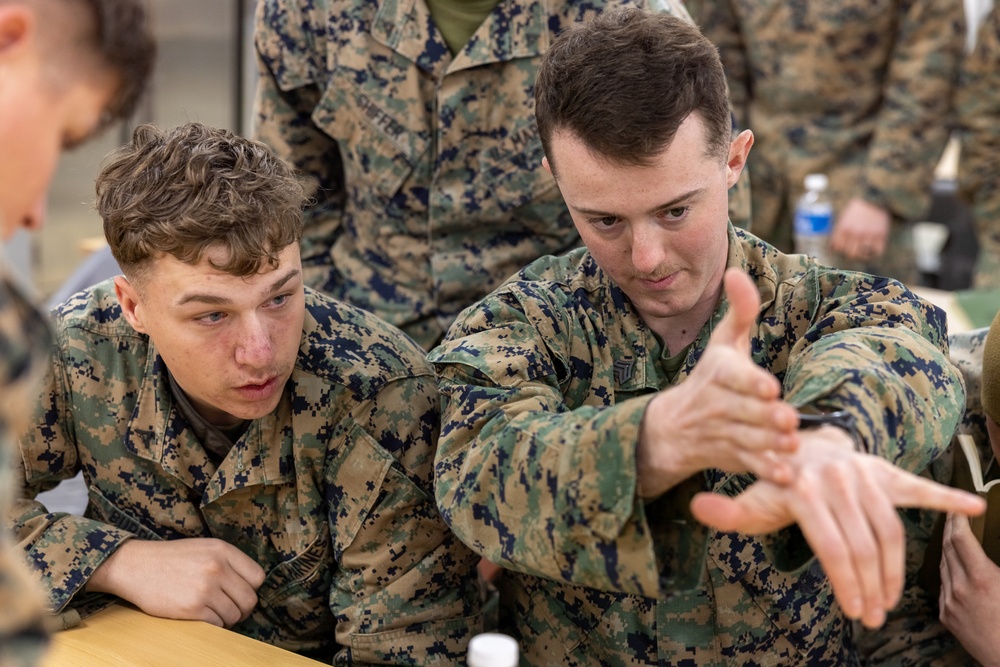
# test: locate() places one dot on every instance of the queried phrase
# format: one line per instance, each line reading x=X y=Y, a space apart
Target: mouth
x=257 y=391
x=661 y=282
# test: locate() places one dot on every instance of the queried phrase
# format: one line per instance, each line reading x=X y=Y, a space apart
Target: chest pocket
x=378 y=150
x=513 y=168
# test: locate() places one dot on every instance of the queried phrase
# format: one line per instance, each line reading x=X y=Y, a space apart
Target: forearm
x=65 y=550
x=552 y=493
x=880 y=353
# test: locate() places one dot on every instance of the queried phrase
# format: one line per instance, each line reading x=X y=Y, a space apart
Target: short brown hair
x=194 y=187
x=112 y=36
x=624 y=82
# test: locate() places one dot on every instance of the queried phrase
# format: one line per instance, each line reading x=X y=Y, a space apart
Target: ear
x=739 y=149
x=545 y=163
x=128 y=297
x=17 y=27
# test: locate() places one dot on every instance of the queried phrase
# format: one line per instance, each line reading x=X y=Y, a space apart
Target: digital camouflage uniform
x=913 y=635
x=544 y=385
x=978 y=109
x=431 y=186
x=331 y=493
x=24 y=346
x=857 y=89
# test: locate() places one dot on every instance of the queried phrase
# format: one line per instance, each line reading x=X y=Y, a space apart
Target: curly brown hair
x=195 y=187
x=625 y=81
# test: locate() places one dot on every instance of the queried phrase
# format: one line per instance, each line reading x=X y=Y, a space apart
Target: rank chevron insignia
x=623 y=369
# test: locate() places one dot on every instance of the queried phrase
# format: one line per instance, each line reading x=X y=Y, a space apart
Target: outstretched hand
x=728 y=414
x=845 y=504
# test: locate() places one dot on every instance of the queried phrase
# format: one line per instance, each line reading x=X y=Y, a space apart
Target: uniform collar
x=514 y=29
x=158 y=433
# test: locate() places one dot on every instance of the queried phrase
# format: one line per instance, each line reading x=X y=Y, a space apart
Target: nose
x=254 y=347
x=647 y=247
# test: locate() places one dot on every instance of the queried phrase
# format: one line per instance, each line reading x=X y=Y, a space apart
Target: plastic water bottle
x=814 y=219
x=492 y=649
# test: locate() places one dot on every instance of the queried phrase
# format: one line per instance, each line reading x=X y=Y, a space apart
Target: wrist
x=659 y=463
x=106 y=576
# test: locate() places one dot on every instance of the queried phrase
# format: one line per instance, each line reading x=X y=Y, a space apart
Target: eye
x=280 y=300
x=211 y=318
x=604 y=223
x=676 y=213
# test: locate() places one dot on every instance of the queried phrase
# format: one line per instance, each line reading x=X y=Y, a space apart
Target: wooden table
x=121 y=636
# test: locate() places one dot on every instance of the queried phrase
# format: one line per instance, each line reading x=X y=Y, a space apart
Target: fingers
x=752 y=512
x=908 y=490
x=962 y=544
x=247 y=568
x=238 y=601
x=744 y=304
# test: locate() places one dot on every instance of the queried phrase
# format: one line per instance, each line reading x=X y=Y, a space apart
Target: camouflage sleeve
x=291 y=39
x=913 y=119
x=718 y=22
x=977 y=105
x=880 y=352
x=537 y=487
x=406 y=591
x=63 y=549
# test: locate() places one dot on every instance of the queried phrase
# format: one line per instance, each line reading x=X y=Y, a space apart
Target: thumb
x=722 y=513
x=744 y=305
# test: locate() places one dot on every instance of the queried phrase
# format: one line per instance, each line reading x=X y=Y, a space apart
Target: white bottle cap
x=492 y=649
x=816 y=182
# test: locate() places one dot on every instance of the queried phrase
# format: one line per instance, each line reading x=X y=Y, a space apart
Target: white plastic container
x=492 y=649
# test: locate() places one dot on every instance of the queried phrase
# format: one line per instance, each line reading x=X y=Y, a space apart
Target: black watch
x=841 y=418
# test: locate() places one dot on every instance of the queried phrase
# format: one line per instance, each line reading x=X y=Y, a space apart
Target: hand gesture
x=845 y=504
x=970 y=592
x=728 y=414
x=202 y=579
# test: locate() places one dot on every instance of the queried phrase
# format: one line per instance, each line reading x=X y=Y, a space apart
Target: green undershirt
x=458 y=20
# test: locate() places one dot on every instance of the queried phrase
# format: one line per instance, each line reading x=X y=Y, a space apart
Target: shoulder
x=544 y=294
x=94 y=311
x=291 y=38
x=345 y=345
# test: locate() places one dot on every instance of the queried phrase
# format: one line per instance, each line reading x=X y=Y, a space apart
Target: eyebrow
x=217 y=300
x=673 y=203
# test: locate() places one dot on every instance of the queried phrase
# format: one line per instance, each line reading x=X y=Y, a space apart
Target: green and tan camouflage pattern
x=860 y=90
x=544 y=384
x=913 y=635
x=331 y=493
x=428 y=167
x=977 y=105
x=25 y=339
